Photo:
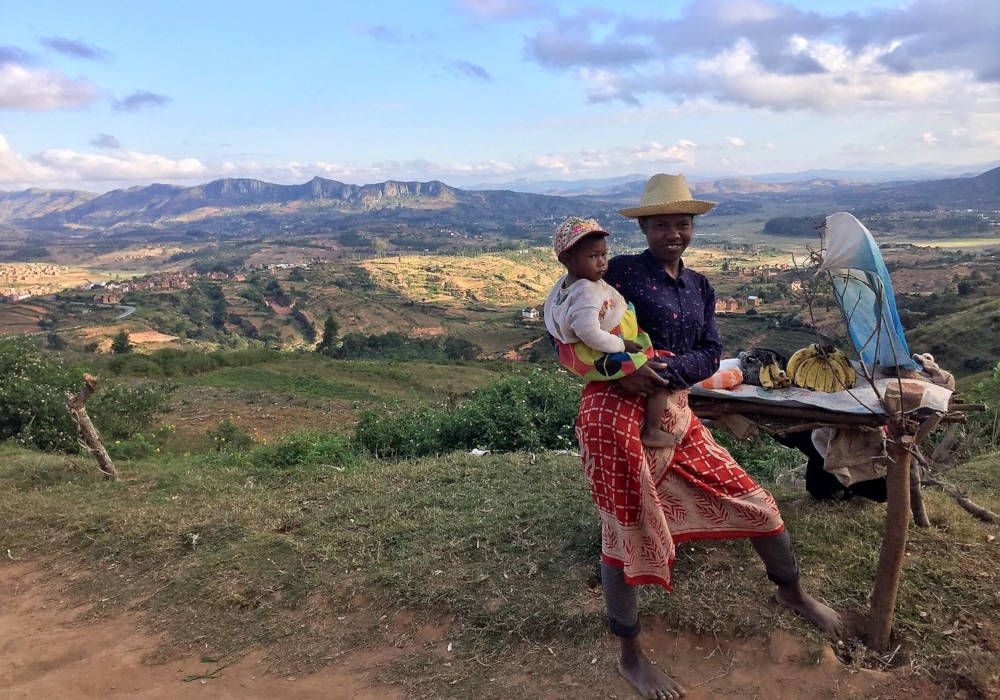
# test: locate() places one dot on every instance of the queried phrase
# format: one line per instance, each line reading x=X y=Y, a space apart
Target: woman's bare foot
x=654 y=437
x=823 y=616
x=649 y=681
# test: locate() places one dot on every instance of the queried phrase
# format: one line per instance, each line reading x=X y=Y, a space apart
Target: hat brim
x=690 y=206
x=588 y=234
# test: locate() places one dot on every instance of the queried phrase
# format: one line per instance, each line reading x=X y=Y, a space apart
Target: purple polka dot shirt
x=678 y=314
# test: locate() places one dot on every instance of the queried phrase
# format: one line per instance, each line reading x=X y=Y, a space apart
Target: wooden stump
x=76 y=405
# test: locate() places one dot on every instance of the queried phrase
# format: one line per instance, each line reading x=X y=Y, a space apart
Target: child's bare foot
x=654 y=437
x=649 y=681
x=823 y=616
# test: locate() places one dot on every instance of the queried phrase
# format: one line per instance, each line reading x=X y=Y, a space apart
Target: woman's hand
x=632 y=346
x=643 y=381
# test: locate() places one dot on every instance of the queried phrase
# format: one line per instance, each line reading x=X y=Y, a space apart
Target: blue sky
x=105 y=95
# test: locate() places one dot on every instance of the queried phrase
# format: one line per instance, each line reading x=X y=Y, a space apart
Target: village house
x=727 y=305
x=529 y=314
x=108 y=298
x=754 y=300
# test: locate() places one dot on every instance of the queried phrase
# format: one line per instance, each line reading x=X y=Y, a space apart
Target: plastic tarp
x=864 y=293
x=861 y=400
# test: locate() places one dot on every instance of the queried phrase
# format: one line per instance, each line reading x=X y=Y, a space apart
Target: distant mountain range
x=258 y=204
x=318 y=199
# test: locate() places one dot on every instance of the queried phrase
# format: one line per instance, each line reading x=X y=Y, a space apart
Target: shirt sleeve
x=702 y=360
x=585 y=324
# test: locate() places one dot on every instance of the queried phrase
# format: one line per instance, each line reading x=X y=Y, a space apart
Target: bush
x=762 y=458
x=122 y=410
x=33 y=388
x=521 y=412
x=305 y=449
x=404 y=433
x=228 y=437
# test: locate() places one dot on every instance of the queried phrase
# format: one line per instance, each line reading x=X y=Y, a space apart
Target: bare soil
x=50 y=647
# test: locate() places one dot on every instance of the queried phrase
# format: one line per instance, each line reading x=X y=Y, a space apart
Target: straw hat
x=667 y=194
x=572 y=231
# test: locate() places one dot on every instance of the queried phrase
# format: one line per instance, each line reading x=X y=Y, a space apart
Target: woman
x=650 y=500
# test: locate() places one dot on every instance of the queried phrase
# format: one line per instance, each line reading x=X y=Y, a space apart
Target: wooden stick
x=91 y=438
x=920 y=518
x=977 y=511
x=890 y=559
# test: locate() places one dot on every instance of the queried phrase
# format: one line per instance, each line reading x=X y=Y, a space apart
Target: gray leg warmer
x=621 y=601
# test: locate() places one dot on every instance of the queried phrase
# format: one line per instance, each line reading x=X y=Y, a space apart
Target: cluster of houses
x=112 y=292
x=24 y=272
x=765 y=272
x=732 y=305
x=11 y=294
x=727 y=305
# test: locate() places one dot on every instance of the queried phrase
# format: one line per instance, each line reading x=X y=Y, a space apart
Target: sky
x=105 y=95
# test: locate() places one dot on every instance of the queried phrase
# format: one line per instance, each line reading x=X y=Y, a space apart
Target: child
x=583 y=308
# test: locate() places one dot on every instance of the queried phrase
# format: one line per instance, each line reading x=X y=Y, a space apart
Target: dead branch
x=943 y=450
x=920 y=518
x=76 y=405
x=977 y=511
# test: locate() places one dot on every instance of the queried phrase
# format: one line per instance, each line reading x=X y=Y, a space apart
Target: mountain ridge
x=320 y=199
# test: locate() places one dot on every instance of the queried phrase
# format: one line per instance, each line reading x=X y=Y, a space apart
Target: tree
x=328 y=344
x=54 y=341
x=380 y=246
x=460 y=349
x=120 y=343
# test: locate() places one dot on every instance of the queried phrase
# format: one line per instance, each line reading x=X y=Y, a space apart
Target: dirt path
x=45 y=652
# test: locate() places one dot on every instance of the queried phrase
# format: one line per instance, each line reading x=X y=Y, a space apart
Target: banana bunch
x=773 y=377
x=821 y=368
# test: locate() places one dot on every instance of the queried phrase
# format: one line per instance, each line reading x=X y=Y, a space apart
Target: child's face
x=588 y=259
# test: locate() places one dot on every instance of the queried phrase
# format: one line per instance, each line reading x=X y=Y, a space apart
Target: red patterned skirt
x=650 y=500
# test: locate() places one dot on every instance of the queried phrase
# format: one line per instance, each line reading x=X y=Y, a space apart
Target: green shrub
x=404 y=432
x=762 y=457
x=121 y=410
x=228 y=437
x=532 y=411
x=137 y=447
x=522 y=412
x=305 y=448
x=33 y=388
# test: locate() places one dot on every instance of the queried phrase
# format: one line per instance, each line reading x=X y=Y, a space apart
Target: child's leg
x=652 y=435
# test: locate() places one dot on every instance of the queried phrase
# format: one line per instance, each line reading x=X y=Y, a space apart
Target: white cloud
x=929 y=138
x=498 y=10
x=772 y=55
x=39 y=89
x=16 y=169
x=68 y=168
x=849 y=79
x=63 y=167
x=735 y=141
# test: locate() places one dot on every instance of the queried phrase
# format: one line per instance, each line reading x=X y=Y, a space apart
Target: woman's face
x=588 y=259
x=668 y=235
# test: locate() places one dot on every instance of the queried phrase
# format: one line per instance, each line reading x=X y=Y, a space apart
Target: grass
x=239 y=552
x=365 y=381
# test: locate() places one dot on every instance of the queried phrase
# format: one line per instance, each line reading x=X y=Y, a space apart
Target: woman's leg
x=779 y=561
x=621 y=602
